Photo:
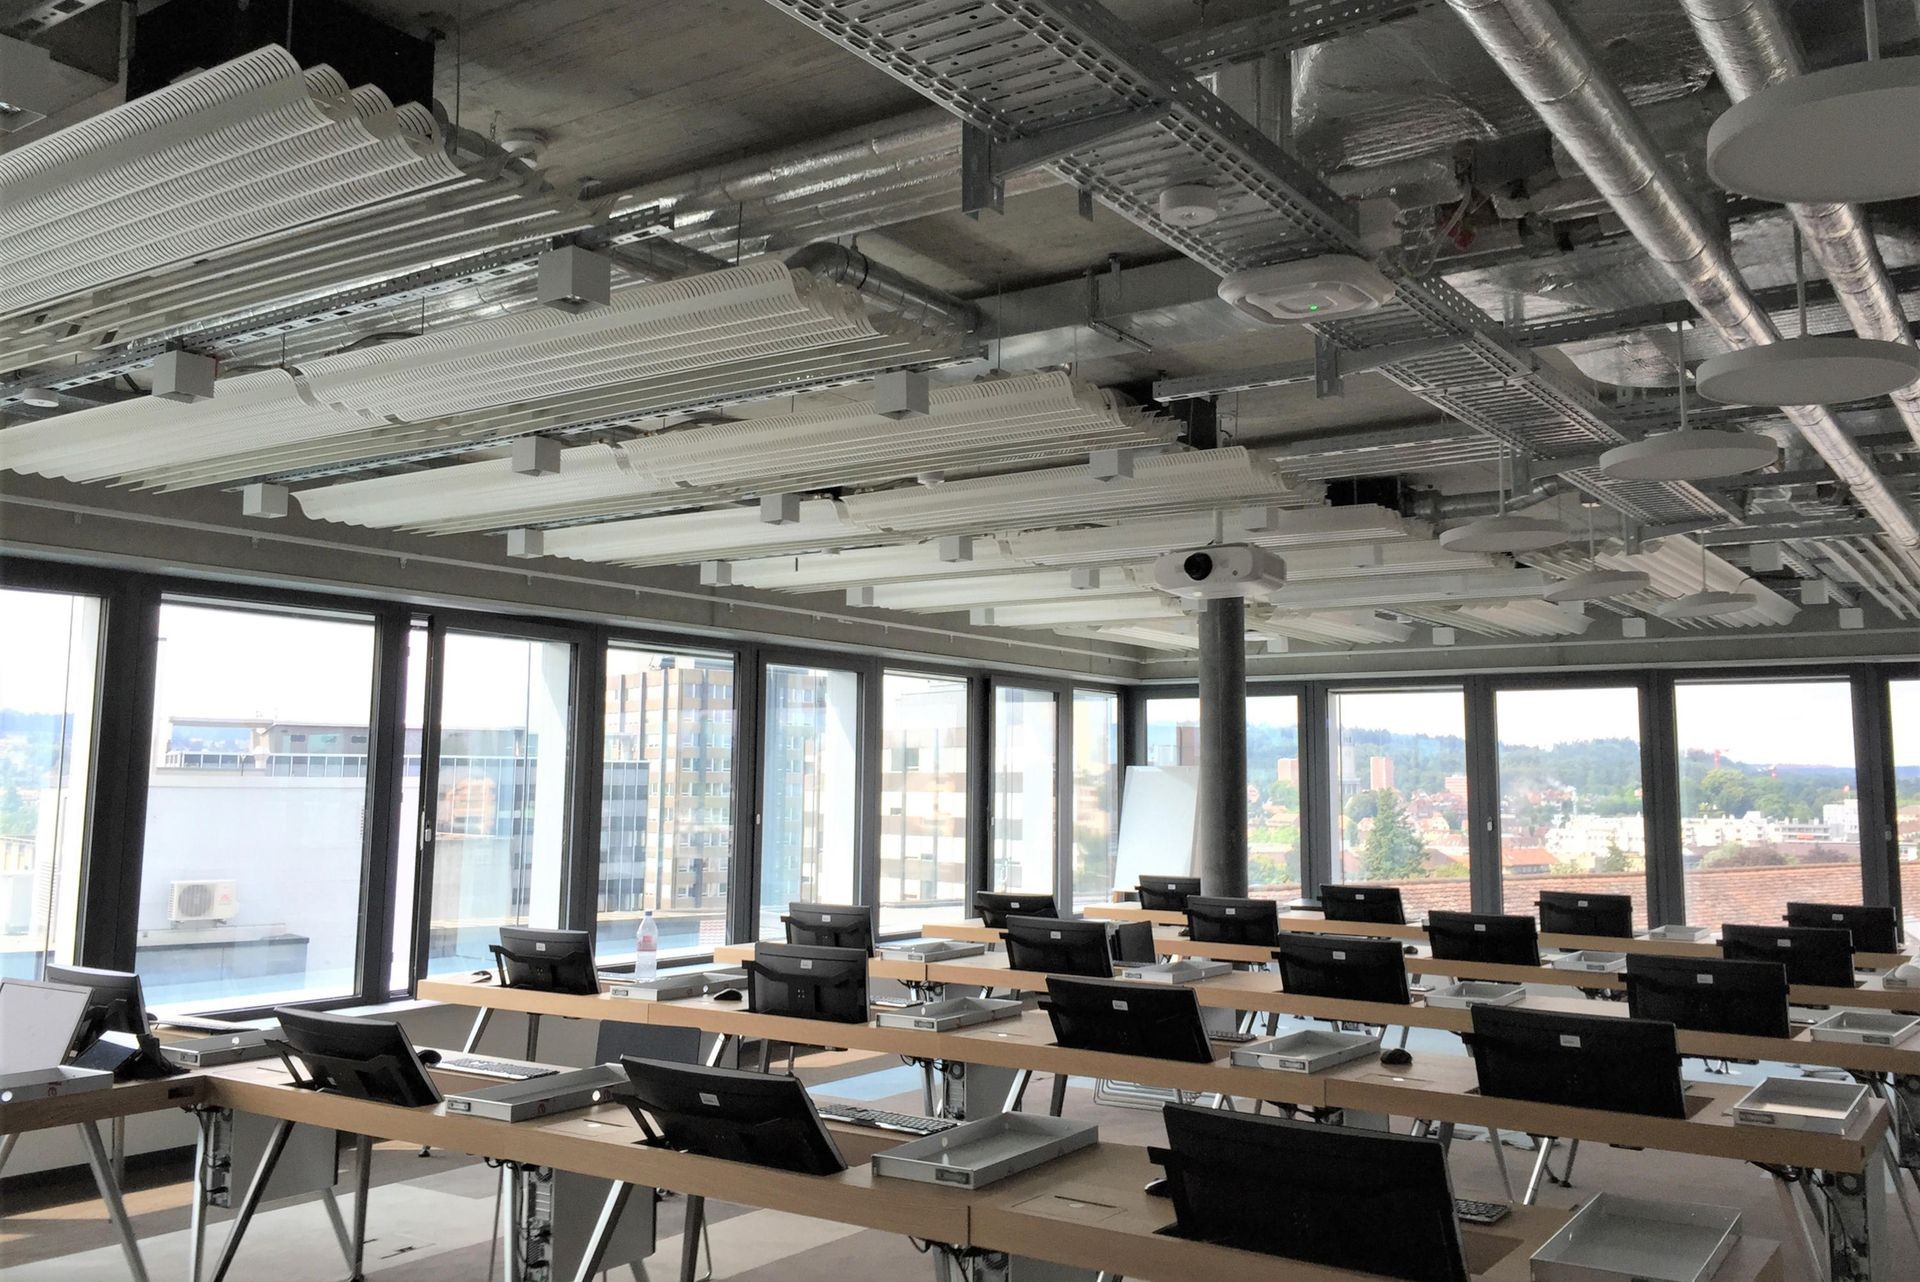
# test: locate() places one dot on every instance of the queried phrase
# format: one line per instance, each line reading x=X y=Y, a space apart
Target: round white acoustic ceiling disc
x=1504 y=533
x=1596 y=585
x=1841 y=136
x=1808 y=371
x=1690 y=456
x=1707 y=605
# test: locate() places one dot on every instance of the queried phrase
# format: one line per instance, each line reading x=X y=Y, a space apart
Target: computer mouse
x=729 y=995
x=1411 y=951
x=1158 y=1188
x=429 y=1057
x=1397 y=1057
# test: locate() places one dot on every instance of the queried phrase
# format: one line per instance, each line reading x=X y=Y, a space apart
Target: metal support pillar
x=1223 y=747
x=102 y=1167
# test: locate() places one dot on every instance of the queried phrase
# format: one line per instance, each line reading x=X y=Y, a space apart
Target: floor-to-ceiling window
x=666 y=800
x=256 y=806
x=49 y=661
x=1025 y=788
x=1273 y=779
x=810 y=790
x=1769 y=806
x=1903 y=698
x=1570 y=795
x=923 y=799
x=1096 y=793
x=501 y=788
x=1399 y=793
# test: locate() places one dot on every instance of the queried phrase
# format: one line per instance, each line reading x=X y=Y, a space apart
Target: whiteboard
x=1159 y=828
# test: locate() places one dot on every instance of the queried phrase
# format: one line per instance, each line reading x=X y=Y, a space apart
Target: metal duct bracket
x=987 y=162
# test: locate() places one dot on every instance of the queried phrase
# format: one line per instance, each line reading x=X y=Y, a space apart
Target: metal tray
x=719 y=981
x=1179 y=972
x=980 y=1153
x=1802 y=1104
x=1866 y=1027
x=951 y=1013
x=44 y=1083
x=1683 y=934
x=1308 y=1051
x=1476 y=992
x=1591 y=960
x=665 y=988
x=1630 y=1239
x=542 y=1096
x=934 y=950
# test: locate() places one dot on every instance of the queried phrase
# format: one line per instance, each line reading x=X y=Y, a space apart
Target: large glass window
x=49 y=658
x=810 y=790
x=666 y=800
x=923 y=800
x=1768 y=805
x=500 y=799
x=1096 y=793
x=256 y=802
x=1904 y=699
x=1570 y=798
x=1400 y=793
x=1025 y=784
x=1273 y=779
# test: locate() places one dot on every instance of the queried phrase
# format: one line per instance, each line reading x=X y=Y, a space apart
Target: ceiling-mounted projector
x=1309 y=289
x=1232 y=569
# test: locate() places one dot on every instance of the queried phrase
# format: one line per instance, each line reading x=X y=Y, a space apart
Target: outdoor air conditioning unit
x=196 y=901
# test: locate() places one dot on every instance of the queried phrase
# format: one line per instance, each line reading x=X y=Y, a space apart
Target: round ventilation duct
x=1808 y=371
x=1841 y=136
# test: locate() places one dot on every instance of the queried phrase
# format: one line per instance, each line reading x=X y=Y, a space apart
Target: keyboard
x=479 y=1066
x=906 y=1123
x=1480 y=1212
x=1236 y=1037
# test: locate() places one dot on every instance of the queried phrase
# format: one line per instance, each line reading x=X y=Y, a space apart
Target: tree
x=1393 y=851
x=1614 y=860
x=1724 y=791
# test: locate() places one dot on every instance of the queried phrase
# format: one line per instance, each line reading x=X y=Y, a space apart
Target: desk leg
x=533 y=1037
x=1500 y=1160
x=256 y=1189
x=1017 y=1090
x=719 y=1050
x=1059 y=1100
x=7 y=1142
x=480 y=1020
x=926 y=1086
x=1794 y=1216
x=690 y=1240
x=202 y=1193
x=603 y=1228
x=363 y=1184
x=1854 y=1204
x=1539 y=1170
x=110 y=1194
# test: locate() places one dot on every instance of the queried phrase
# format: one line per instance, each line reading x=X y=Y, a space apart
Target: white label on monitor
x=1232 y=911
x=711 y=1101
x=1480 y=926
x=805 y=964
x=1053 y=934
x=1703 y=979
x=1339 y=955
x=1839 y=916
x=1580 y=903
x=1570 y=1041
x=539 y=947
x=1120 y=1006
x=1013 y=903
x=1783 y=943
x=825 y=918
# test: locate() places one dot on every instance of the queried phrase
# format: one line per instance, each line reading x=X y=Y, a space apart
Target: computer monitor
x=1813 y=955
x=1570 y=912
x=1051 y=946
x=1167 y=894
x=1484 y=937
x=808 y=983
x=830 y=926
x=1359 y=970
x=994 y=907
x=115 y=1003
x=370 y=1059
x=1160 y=1021
x=40 y=1021
x=1377 y=904
x=1579 y=1061
x=1131 y=943
x=1876 y=929
x=764 y=1119
x=1219 y=919
x=1710 y=994
x=1366 y=1202
x=548 y=961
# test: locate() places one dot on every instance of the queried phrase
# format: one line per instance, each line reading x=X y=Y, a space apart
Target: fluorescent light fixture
x=1808 y=371
x=1840 y=136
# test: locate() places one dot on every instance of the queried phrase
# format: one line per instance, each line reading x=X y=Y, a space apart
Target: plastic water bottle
x=646 y=949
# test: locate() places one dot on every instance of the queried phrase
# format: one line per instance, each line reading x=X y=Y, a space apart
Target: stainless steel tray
x=665 y=988
x=1308 y=1051
x=1476 y=992
x=1802 y=1104
x=1866 y=1027
x=951 y=1013
x=1630 y=1239
x=44 y=1083
x=932 y=950
x=1591 y=960
x=1181 y=972
x=1684 y=934
x=980 y=1153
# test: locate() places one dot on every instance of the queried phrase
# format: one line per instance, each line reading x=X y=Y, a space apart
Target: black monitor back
x=1814 y=955
x=995 y=907
x=115 y=1003
x=1055 y=947
x=1710 y=994
x=1571 y=912
x=1580 y=1061
x=1484 y=937
x=1219 y=919
x=369 y=1059
x=1875 y=928
x=1131 y=943
x=830 y=926
x=1167 y=894
x=1358 y=970
x=1160 y=1021
x=1368 y=1202
x=765 y=1119
x=808 y=983
x=1379 y=905
x=548 y=961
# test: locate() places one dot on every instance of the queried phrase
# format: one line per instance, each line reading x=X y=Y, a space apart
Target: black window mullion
x=1874 y=776
x=580 y=902
x=381 y=896
x=1318 y=815
x=426 y=821
x=1660 y=803
x=749 y=747
x=108 y=932
x=1484 y=858
x=980 y=789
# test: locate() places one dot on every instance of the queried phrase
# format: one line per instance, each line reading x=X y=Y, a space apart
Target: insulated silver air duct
x=883 y=285
x=1550 y=61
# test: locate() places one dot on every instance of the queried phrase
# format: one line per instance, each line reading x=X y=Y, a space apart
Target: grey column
x=1223 y=747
